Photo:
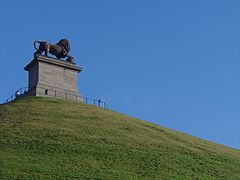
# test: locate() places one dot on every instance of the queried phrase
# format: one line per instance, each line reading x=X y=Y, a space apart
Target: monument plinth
x=53 y=77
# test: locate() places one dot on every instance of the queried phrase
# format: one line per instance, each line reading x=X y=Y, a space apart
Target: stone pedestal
x=53 y=77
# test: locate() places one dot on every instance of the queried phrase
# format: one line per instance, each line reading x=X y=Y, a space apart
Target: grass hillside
x=46 y=138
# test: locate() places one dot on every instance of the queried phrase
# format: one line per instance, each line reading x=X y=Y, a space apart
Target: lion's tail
x=35 y=44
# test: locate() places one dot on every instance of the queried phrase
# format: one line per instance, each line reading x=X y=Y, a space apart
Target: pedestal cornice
x=53 y=61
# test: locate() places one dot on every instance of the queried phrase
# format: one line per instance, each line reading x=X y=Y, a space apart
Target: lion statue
x=60 y=50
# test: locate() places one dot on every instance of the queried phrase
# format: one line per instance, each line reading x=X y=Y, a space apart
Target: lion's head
x=65 y=44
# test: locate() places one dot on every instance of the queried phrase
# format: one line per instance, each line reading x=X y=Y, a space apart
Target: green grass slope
x=45 y=138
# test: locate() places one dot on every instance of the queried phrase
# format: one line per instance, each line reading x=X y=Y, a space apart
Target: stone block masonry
x=53 y=77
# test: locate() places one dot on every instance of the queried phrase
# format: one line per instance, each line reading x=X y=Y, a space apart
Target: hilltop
x=51 y=139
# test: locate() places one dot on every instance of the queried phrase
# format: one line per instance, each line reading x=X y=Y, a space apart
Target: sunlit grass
x=49 y=138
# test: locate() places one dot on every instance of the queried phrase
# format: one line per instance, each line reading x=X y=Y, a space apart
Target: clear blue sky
x=174 y=63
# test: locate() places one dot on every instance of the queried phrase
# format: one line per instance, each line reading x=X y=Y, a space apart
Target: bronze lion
x=60 y=50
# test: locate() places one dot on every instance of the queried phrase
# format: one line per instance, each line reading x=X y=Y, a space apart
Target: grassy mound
x=53 y=139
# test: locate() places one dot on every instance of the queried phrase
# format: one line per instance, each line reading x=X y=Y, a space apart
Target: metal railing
x=19 y=92
x=50 y=91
